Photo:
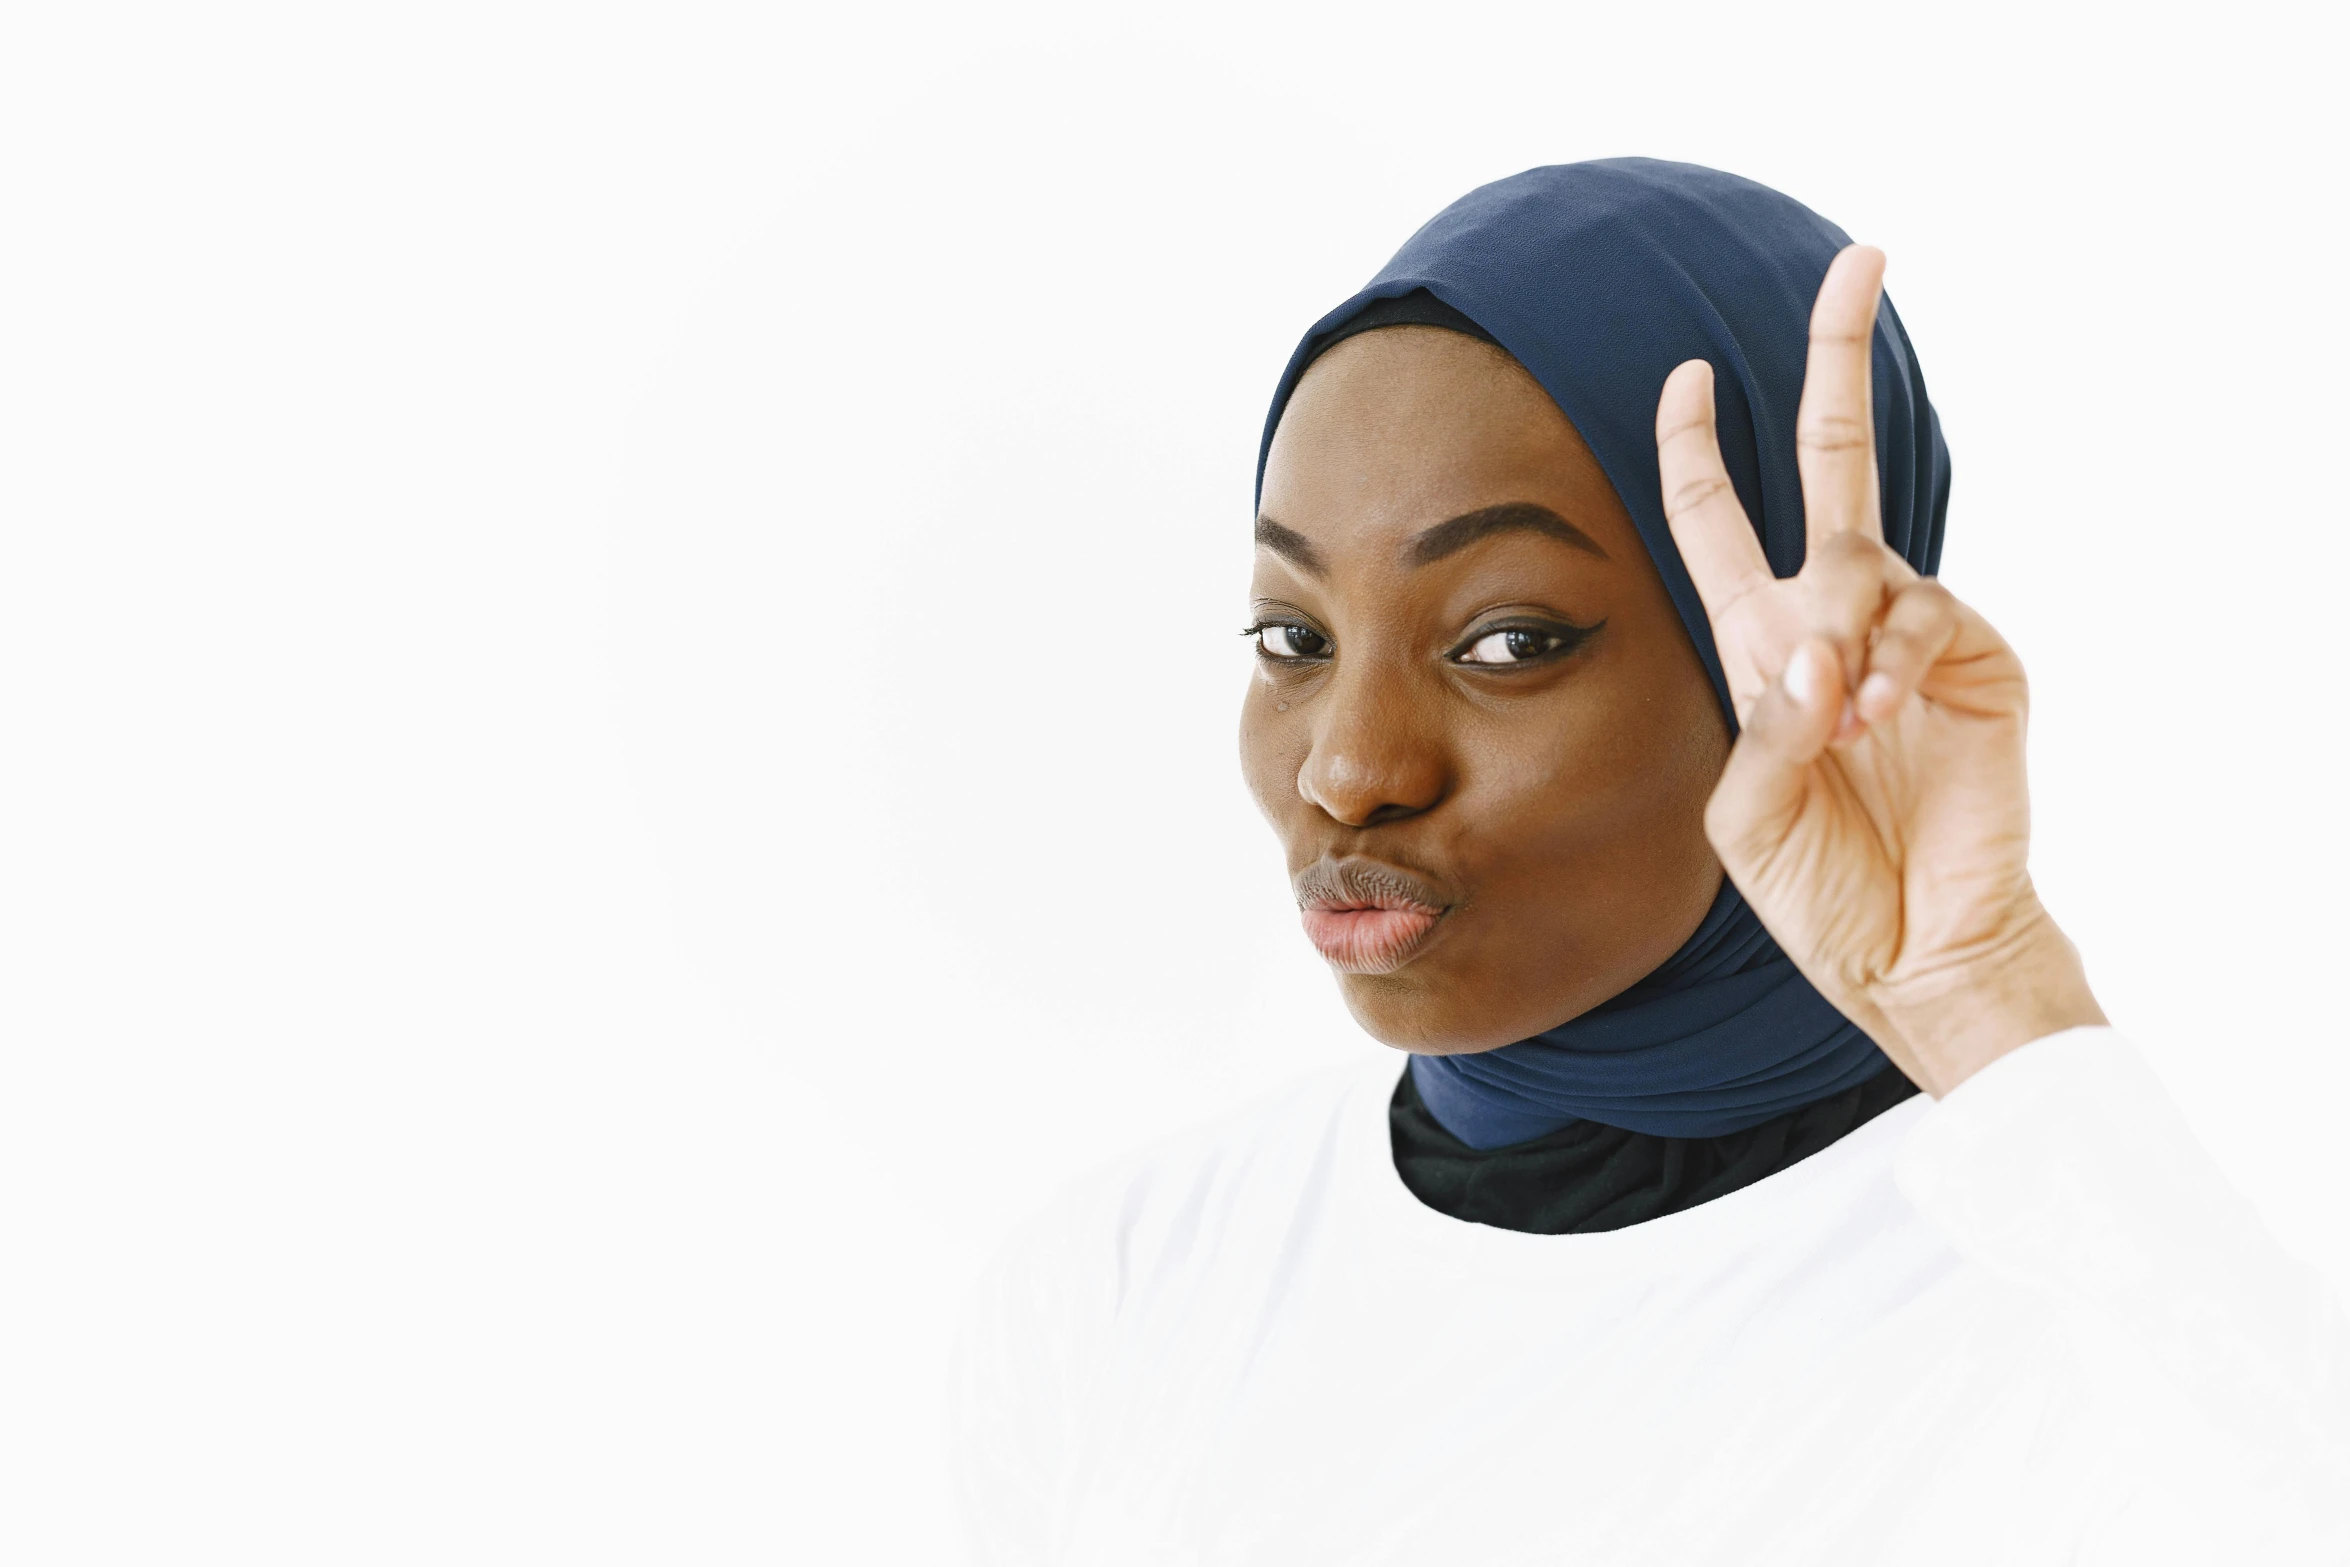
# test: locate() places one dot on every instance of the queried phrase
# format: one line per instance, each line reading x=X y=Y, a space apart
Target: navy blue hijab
x=1599 y=278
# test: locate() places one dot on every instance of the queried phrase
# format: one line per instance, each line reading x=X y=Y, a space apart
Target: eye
x=1512 y=645
x=1287 y=641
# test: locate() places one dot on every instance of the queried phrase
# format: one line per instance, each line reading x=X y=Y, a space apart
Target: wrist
x=1960 y=1019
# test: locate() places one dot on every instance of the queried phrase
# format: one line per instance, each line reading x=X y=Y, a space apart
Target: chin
x=1410 y=1014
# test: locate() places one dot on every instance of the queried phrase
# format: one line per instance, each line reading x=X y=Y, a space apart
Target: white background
x=618 y=680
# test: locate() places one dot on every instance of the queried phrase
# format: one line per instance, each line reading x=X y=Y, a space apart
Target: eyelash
x=1566 y=637
x=1257 y=632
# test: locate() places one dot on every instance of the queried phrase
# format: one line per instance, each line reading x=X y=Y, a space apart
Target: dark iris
x=1305 y=643
x=1526 y=644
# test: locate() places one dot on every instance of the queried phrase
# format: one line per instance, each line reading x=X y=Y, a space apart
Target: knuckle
x=1694 y=493
x=1929 y=603
x=1898 y=649
x=1844 y=576
x=1930 y=590
x=1833 y=433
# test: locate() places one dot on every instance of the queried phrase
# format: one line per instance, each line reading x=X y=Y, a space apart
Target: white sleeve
x=2065 y=1168
x=1024 y=1355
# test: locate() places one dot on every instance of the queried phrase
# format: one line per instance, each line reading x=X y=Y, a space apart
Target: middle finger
x=1835 y=424
x=1840 y=596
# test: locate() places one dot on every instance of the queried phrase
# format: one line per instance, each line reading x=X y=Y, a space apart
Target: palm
x=1906 y=839
x=1874 y=809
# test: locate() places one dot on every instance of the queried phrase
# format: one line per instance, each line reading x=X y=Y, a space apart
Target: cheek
x=1614 y=774
x=1272 y=750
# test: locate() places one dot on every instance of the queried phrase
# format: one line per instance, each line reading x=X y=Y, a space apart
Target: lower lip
x=1368 y=941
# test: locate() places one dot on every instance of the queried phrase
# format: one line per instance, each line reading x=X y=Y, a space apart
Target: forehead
x=1398 y=429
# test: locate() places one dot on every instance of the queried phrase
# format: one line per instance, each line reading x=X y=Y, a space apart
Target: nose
x=1374 y=758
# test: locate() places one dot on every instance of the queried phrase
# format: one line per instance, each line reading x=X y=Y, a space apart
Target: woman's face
x=1476 y=723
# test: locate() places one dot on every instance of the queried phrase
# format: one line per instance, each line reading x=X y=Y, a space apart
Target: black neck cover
x=1586 y=1177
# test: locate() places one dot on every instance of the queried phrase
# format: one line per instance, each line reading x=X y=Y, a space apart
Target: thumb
x=1786 y=728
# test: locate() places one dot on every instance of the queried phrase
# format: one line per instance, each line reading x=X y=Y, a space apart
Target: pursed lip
x=1366 y=916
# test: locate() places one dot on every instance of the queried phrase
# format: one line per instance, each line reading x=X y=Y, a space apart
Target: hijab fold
x=1599 y=278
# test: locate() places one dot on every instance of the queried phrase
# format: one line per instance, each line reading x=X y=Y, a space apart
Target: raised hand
x=1873 y=810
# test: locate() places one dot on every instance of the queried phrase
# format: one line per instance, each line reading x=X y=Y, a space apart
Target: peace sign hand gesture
x=1873 y=810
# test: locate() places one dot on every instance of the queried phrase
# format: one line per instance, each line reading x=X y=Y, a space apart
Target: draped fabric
x=1584 y=1177
x=1599 y=278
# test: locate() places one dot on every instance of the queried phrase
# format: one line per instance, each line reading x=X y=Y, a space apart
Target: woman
x=1638 y=779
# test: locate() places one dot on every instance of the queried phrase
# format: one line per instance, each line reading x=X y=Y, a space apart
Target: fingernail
x=1802 y=675
x=1875 y=698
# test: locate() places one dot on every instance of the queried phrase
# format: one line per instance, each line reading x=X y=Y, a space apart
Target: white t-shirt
x=2028 y=1323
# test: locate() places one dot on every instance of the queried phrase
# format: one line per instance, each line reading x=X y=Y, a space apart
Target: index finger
x=1717 y=543
x=1836 y=423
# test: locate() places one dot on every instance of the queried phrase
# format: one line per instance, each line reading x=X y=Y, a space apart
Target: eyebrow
x=1446 y=538
x=1290 y=545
